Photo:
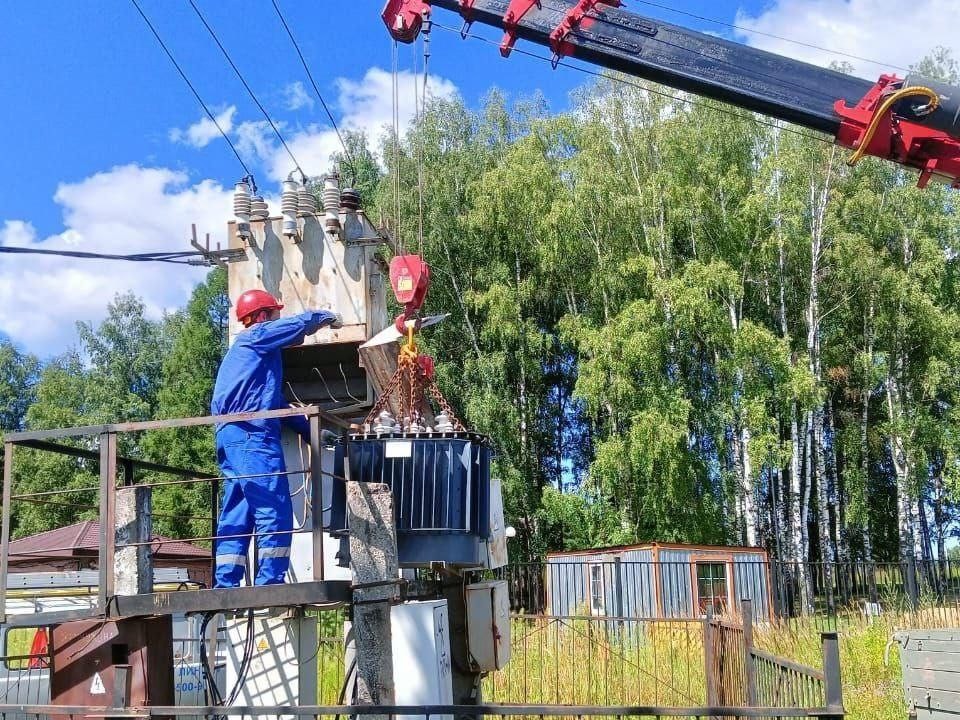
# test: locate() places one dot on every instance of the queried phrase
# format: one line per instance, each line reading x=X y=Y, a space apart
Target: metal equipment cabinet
x=930 y=662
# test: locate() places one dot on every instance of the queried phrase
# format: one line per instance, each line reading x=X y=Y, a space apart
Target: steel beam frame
x=624 y=41
x=110 y=605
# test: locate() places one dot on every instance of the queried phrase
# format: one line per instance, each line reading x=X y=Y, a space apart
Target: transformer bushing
x=331 y=204
x=241 y=208
x=258 y=208
x=289 y=203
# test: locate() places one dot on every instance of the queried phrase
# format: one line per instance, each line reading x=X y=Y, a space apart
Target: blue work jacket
x=250 y=378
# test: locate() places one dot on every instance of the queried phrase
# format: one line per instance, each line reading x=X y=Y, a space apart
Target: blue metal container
x=441 y=492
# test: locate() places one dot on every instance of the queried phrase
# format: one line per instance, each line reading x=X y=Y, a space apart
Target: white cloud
x=127 y=209
x=296 y=96
x=204 y=130
x=883 y=30
x=365 y=106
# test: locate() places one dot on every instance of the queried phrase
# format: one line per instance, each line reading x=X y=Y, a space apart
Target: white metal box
x=283 y=662
x=488 y=624
x=421 y=655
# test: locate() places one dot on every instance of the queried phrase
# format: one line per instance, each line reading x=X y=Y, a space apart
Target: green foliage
x=657 y=310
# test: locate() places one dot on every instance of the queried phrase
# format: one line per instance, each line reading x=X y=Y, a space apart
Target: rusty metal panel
x=319 y=272
x=92 y=661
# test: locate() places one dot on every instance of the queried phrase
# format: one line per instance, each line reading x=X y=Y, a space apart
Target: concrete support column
x=133 y=566
x=373 y=563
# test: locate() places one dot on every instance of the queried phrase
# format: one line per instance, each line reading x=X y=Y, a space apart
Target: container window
x=598 y=605
x=712 y=587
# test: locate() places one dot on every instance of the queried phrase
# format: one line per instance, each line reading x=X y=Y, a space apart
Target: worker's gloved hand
x=328 y=438
x=325 y=318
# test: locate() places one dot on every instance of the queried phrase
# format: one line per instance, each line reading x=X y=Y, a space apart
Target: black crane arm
x=910 y=121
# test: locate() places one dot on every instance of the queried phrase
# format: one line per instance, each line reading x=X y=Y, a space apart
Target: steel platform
x=327 y=593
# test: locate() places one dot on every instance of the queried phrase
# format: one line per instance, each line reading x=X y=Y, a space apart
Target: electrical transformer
x=441 y=489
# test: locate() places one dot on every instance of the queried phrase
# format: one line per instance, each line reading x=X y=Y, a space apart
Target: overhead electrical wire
x=249 y=90
x=190 y=85
x=596 y=73
x=347 y=154
x=176 y=258
x=771 y=35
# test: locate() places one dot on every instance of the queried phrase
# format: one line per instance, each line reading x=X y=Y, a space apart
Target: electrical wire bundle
x=214 y=696
x=188 y=257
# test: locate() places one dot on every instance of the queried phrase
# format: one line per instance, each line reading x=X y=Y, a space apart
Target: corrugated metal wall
x=638 y=586
x=676 y=583
x=751 y=581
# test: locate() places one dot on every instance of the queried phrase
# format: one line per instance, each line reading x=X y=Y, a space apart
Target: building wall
x=641 y=583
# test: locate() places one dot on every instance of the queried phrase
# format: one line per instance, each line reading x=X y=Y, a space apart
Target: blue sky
x=104 y=147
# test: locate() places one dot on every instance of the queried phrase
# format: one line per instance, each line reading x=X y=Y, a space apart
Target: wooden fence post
x=709 y=659
x=749 y=667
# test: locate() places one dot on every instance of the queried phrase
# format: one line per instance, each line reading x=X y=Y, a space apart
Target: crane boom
x=910 y=121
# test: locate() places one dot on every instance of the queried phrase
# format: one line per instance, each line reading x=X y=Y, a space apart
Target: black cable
x=303 y=61
x=247 y=86
x=174 y=258
x=771 y=35
x=190 y=85
x=213 y=692
x=785 y=128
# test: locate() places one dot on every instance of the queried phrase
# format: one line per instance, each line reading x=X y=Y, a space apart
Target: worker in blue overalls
x=256 y=492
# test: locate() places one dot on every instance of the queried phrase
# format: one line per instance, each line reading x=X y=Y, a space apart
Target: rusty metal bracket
x=214 y=257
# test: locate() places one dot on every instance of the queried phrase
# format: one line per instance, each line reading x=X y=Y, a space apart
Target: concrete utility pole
x=133 y=566
x=373 y=563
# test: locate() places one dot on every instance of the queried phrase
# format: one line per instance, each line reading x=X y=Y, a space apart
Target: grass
x=604 y=662
x=872 y=687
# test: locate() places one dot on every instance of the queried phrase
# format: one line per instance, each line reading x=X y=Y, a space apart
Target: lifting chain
x=409 y=385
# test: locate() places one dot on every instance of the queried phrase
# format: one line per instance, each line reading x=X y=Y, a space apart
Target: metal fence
x=427 y=712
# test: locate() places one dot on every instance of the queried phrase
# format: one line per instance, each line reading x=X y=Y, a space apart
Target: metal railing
x=426 y=712
x=116 y=473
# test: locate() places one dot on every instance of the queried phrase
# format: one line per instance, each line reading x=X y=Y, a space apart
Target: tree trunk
x=903 y=470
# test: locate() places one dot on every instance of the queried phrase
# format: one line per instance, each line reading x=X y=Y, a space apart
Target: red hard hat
x=255 y=300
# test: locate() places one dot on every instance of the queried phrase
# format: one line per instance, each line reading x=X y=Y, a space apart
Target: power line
x=174 y=258
x=196 y=94
x=661 y=93
x=771 y=35
x=316 y=89
x=247 y=86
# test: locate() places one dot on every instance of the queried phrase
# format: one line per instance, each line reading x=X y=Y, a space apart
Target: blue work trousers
x=256 y=496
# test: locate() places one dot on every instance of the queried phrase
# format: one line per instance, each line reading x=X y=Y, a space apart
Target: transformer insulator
x=331 y=204
x=289 y=201
x=350 y=199
x=258 y=208
x=241 y=200
x=331 y=199
x=306 y=203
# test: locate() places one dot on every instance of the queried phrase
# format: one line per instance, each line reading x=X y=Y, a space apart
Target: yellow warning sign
x=262 y=645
